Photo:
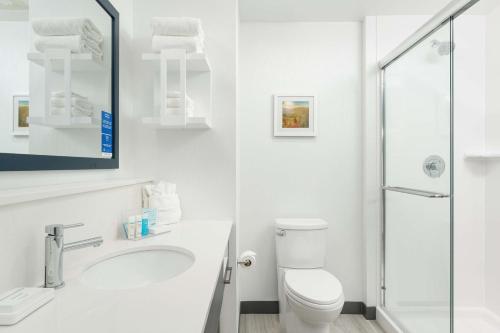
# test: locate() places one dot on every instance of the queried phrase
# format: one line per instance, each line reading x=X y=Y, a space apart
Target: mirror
x=59 y=87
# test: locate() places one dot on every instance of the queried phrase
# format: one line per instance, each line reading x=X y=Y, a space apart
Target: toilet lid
x=314 y=285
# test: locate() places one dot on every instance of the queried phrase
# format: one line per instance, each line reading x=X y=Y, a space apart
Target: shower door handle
x=427 y=194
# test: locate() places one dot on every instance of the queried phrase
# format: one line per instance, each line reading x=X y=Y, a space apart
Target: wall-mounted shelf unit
x=483 y=156
x=68 y=123
x=193 y=73
x=63 y=63
x=80 y=62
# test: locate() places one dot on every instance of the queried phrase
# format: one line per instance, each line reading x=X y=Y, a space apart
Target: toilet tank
x=301 y=243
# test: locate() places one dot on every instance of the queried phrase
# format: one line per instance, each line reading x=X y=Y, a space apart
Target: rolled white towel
x=190 y=44
x=174 y=102
x=59 y=26
x=76 y=44
x=176 y=26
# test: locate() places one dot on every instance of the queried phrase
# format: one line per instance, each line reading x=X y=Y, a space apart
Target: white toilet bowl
x=310 y=297
x=314 y=300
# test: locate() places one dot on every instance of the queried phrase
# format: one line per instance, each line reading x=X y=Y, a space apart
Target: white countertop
x=178 y=305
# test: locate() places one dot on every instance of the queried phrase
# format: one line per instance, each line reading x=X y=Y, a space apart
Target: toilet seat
x=315 y=288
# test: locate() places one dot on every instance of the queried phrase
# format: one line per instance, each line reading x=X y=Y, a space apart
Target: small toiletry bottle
x=131 y=227
x=145 y=225
x=138 y=227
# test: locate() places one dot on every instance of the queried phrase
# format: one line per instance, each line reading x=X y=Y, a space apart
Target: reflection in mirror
x=55 y=87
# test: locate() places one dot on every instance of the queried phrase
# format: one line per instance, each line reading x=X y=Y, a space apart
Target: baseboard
x=272 y=307
x=369 y=312
x=259 y=307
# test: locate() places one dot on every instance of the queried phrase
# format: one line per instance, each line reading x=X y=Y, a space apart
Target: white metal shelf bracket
x=49 y=56
x=165 y=57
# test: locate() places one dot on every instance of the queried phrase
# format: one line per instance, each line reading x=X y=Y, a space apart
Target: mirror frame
x=29 y=162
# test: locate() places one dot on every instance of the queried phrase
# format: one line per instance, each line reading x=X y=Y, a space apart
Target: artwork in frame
x=295 y=115
x=20 y=115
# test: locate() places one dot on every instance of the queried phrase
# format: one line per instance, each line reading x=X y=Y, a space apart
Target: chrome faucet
x=54 y=249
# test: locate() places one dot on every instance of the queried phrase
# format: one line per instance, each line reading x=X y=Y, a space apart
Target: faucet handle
x=58 y=229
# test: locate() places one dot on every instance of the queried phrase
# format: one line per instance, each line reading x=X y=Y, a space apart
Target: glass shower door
x=417 y=187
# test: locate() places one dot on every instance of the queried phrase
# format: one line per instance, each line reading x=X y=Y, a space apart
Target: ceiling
x=333 y=10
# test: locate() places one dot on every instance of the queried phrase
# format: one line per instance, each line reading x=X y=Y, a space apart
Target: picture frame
x=20 y=115
x=295 y=115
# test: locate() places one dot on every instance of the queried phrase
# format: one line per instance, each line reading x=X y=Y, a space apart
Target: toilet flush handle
x=281 y=232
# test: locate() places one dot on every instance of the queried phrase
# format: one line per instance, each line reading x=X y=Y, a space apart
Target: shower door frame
x=444 y=17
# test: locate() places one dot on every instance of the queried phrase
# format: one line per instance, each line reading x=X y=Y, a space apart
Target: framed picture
x=295 y=115
x=20 y=115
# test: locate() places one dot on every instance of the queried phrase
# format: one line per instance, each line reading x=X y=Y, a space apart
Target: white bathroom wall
x=301 y=177
x=13 y=81
x=492 y=246
x=469 y=176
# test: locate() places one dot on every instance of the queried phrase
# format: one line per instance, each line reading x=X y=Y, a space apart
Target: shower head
x=443 y=48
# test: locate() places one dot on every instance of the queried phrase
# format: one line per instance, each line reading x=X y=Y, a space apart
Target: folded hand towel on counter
x=190 y=44
x=76 y=44
x=163 y=196
x=67 y=26
x=176 y=26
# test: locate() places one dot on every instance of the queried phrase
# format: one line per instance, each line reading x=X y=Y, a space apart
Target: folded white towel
x=67 y=26
x=75 y=111
x=61 y=93
x=76 y=44
x=59 y=102
x=173 y=94
x=190 y=44
x=175 y=102
x=176 y=26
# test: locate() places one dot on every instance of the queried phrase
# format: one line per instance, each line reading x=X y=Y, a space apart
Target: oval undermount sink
x=137 y=268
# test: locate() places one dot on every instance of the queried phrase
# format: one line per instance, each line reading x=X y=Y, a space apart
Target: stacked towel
x=177 y=33
x=80 y=106
x=174 y=102
x=79 y=35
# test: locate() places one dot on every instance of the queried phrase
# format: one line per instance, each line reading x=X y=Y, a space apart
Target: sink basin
x=137 y=268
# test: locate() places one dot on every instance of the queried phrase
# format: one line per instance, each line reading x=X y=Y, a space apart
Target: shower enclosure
x=418 y=177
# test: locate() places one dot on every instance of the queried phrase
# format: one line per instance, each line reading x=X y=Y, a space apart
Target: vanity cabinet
x=212 y=324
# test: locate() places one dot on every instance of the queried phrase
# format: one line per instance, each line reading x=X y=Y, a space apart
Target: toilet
x=310 y=298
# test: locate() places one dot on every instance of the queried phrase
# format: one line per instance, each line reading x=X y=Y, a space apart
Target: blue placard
x=106 y=134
